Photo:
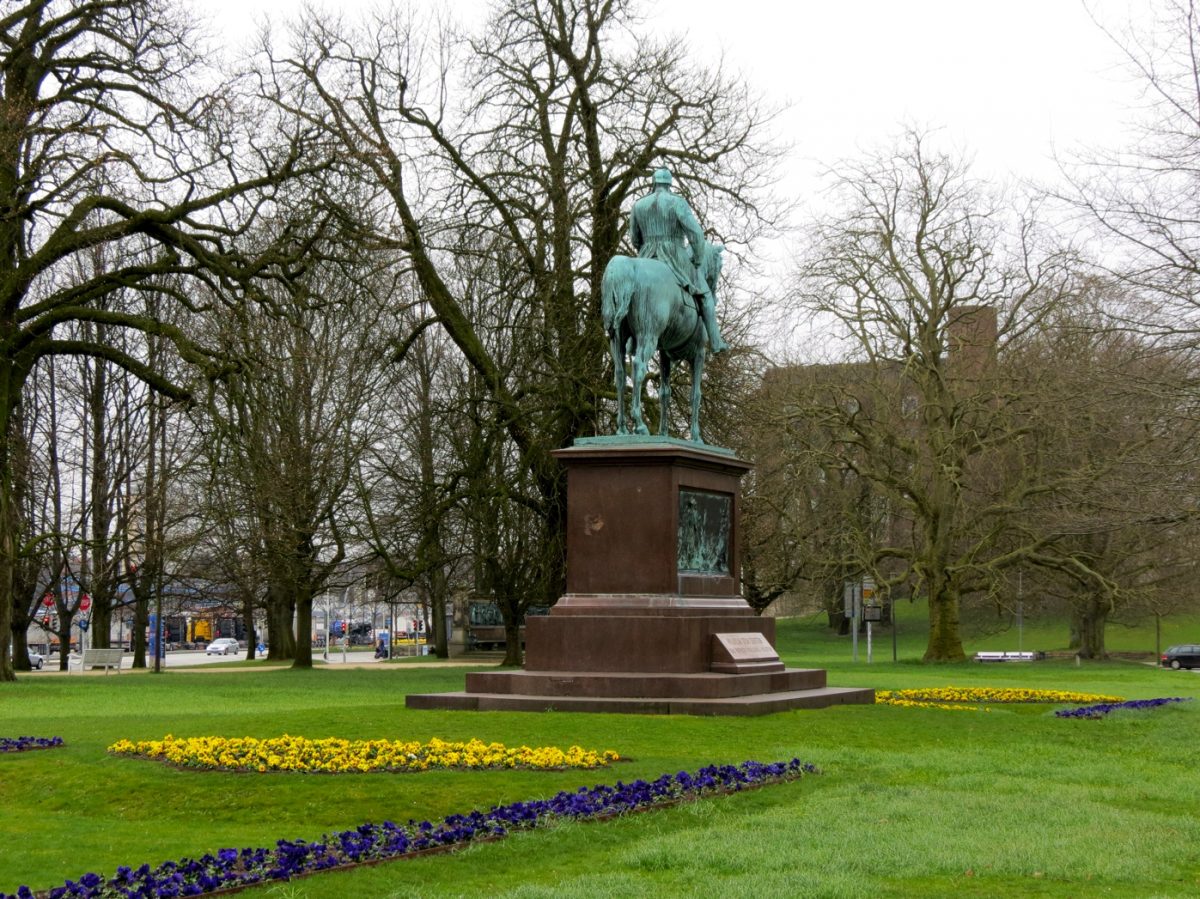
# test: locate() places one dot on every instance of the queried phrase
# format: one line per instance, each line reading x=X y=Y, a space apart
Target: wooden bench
x=1008 y=656
x=101 y=658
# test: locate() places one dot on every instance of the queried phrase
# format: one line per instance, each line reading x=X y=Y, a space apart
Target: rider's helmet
x=662 y=176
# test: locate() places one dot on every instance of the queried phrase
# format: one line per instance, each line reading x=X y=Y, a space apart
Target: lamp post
x=325 y=611
x=346 y=619
x=1020 y=608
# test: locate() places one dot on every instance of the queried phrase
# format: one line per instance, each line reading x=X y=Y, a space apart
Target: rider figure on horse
x=658 y=226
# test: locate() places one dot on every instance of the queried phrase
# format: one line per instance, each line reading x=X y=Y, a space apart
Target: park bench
x=101 y=658
x=1008 y=656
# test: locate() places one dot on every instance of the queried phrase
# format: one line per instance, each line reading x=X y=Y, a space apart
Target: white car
x=222 y=646
x=36 y=660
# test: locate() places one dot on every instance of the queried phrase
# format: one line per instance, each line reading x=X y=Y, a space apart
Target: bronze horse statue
x=645 y=310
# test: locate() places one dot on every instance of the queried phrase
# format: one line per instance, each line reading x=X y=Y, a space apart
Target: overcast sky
x=1007 y=82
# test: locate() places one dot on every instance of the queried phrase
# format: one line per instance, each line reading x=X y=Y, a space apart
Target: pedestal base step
x=606 y=684
x=758 y=704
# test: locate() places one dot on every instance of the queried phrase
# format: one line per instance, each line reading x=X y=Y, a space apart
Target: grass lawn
x=913 y=802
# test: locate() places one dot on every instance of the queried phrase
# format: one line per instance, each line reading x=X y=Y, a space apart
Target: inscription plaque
x=743 y=653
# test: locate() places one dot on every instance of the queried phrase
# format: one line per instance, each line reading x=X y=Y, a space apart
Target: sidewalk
x=257 y=666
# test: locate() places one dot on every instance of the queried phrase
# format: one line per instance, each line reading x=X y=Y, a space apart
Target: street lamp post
x=346 y=619
x=325 y=610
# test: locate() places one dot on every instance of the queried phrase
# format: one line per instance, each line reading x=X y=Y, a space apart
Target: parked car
x=1184 y=656
x=37 y=660
x=222 y=646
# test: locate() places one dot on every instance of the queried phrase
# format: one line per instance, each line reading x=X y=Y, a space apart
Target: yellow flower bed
x=969 y=698
x=336 y=756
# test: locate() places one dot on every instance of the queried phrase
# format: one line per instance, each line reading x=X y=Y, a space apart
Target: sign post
x=868 y=598
x=852 y=596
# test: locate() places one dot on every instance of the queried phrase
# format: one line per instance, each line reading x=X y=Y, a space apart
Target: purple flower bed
x=1099 y=711
x=232 y=868
x=25 y=744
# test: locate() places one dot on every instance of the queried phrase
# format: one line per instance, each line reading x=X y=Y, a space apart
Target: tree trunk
x=441 y=644
x=64 y=641
x=8 y=532
x=302 y=644
x=100 y=578
x=141 y=624
x=101 y=622
x=945 y=643
x=282 y=638
x=1089 y=621
x=439 y=588
x=20 y=642
x=513 y=656
x=248 y=625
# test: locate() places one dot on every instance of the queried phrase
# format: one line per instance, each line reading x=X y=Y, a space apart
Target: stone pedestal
x=653 y=619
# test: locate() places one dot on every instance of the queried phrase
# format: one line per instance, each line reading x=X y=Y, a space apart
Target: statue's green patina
x=704 y=532
x=664 y=300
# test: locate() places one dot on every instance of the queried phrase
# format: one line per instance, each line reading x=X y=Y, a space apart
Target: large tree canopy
x=919 y=273
x=106 y=142
x=499 y=167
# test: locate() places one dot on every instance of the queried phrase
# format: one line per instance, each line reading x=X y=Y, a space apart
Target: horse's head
x=710 y=265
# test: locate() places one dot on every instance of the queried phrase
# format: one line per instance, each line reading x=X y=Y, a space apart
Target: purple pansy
x=24 y=744
x=1099 y=711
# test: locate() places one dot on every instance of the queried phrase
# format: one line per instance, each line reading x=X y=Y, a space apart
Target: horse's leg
x=616 y=346
x=641 y=362
x=664 y=392
x=697 y=372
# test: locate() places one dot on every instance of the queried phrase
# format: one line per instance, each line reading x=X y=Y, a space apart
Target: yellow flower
x=335 y=755
x=938 y=697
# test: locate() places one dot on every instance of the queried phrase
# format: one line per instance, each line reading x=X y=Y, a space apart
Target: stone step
x=758 y=704
x=660 y=686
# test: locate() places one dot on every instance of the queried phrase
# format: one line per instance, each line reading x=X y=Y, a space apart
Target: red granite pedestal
x=652 y=620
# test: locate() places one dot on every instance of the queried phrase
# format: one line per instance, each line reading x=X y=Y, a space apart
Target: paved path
x=198 y=662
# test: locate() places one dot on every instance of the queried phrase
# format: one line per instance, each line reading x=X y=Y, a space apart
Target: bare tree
x=411 y=483
x=1112 y=426
x=104 y=137
x=501 y=165
x=809 y=520
x=920 y=275
x=288 y=432
x=1144 y=198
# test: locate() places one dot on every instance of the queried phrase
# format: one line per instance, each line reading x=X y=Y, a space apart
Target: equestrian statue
x=663 y=300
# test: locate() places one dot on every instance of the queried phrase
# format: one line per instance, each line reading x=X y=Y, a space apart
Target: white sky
x=1007 y=82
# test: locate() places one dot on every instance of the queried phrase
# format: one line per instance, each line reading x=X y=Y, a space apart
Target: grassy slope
x=913 y=802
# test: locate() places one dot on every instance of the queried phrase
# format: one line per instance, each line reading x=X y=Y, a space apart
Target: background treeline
x=317 y=319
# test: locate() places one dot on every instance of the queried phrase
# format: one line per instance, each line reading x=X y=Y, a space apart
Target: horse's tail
x=616 y=292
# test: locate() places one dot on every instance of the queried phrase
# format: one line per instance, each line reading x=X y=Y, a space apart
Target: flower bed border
x=230 y=870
